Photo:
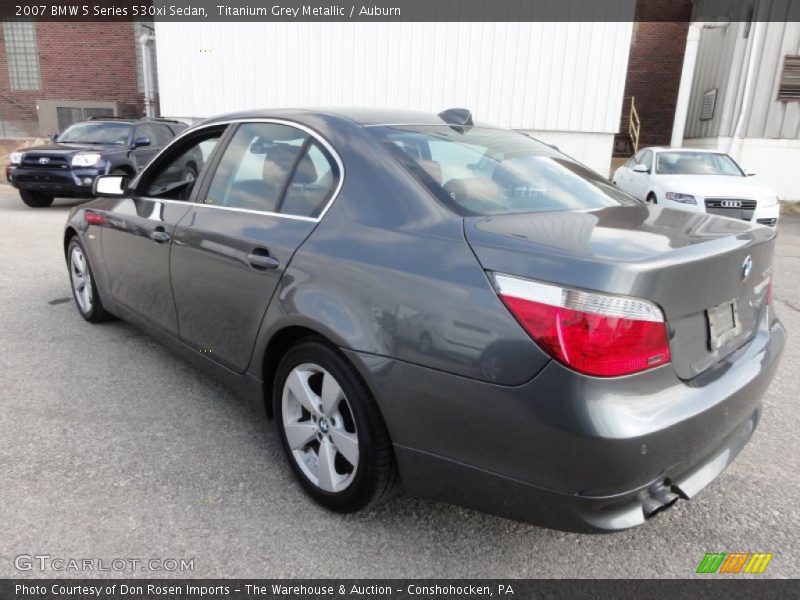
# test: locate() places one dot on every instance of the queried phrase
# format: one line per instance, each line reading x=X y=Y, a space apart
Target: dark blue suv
x=67 y=167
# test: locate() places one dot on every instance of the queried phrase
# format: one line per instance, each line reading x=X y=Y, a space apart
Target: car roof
x=359 y=115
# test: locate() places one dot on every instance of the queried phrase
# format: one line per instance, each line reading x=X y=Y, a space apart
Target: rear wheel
x=331 y=431
x=84 y=290
x=35 y=199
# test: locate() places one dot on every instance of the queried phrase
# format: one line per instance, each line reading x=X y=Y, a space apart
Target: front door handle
x=159 y=236
x=261 y=260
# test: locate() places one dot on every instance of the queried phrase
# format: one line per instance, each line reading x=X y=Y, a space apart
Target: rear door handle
x=262 y=262
x=160 y=236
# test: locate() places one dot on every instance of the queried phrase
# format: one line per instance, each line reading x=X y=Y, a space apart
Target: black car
x=457 y=306
x=68 y=166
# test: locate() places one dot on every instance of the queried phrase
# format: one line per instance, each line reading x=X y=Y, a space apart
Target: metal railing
x=634 y=126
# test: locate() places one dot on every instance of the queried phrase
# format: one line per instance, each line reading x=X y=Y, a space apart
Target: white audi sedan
x=701 y=180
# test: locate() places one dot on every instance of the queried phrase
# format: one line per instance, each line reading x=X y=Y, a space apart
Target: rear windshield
x=482 y=171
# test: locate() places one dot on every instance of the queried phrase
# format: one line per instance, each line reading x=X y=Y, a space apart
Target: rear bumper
x=570 y=451
x=56 y=182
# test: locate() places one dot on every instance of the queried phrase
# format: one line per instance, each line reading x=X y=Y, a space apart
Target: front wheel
x=331 y=431
x=651 y=198
x=35 y=199
x=84 y=290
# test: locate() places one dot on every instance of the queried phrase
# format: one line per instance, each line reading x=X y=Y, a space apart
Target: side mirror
x=53 y=137
x=110 y=186
x=640 y=168
x=140 y=141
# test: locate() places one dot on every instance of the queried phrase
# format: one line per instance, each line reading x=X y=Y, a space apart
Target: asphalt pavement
x=112 y=447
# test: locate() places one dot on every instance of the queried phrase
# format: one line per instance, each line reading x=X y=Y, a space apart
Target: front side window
x=481 y=171
x=274 y=168
x=96 y=133
x=173 y=175
x=696 y=163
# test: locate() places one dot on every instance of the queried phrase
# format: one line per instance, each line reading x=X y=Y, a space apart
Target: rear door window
x=312 y=185
x=256 y=166
x=274 y=168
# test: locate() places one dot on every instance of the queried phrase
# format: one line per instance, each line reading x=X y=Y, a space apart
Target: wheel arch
x=285 y=338
x=278 y=345
x=69 y=233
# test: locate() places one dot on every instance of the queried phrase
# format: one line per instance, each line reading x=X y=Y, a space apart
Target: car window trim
x=229 y=131
x=210 y=167
x=292 y=172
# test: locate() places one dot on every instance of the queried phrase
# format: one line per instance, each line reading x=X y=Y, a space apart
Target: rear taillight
x=596 y=334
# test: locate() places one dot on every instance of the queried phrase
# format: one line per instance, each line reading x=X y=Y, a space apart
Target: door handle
x=160 y=236
x=261 y=260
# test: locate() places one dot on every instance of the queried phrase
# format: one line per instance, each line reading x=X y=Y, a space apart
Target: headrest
x=432 y=168
x=279 y=161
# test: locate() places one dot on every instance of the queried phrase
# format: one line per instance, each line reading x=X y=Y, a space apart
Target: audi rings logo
x=731 y=204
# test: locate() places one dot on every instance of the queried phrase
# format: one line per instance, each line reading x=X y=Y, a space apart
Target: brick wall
x=654 y=70
x=77 y=62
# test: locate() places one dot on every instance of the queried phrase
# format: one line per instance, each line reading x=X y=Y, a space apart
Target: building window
x=789 y=88
x=22 y=55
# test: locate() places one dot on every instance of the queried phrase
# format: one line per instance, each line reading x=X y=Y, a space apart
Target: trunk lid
x=690 y=264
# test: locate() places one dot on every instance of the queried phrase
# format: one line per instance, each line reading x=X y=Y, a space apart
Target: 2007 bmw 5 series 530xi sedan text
x=416 y=298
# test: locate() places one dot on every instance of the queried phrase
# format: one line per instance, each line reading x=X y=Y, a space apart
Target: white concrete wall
x=775 y=161
x=566 y=79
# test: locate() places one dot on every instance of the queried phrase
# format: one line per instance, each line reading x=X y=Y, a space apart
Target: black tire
x=120 y=172
x=651 y=198
x=376 y=478
x=35 y=199
x=95 y=313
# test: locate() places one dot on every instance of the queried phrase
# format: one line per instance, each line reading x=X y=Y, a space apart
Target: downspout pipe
x=748 y=84
x=685 y=88
x=147 y=75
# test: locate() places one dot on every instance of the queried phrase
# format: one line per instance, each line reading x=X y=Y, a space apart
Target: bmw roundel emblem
x=747 y=266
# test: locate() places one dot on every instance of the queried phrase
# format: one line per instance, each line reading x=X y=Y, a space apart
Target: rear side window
x=481 y=171
x=274 y=168
x=312 y=184
x=163 y=135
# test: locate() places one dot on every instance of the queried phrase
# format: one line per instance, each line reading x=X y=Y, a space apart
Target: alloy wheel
x=81 y=280
x=320 y=428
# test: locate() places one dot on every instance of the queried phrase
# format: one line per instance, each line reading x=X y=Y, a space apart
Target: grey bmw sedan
x=419 y=299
